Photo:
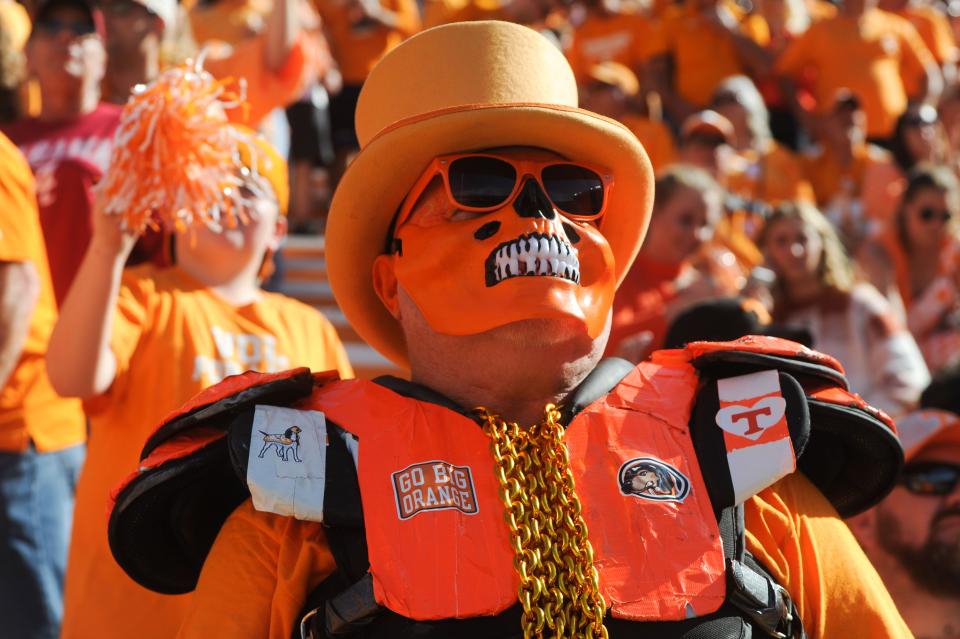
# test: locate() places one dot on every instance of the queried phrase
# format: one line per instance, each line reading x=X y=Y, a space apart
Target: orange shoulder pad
x=757 y=352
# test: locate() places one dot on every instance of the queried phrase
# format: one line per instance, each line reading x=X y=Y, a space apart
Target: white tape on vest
x=286 y=466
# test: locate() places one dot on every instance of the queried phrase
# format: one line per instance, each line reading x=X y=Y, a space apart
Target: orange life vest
x=655 y=460
x=438 y=543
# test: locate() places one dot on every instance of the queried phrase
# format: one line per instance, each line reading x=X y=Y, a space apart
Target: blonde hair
x=835 y=270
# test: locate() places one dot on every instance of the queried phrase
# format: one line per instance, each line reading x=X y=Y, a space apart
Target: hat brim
x=378 y=180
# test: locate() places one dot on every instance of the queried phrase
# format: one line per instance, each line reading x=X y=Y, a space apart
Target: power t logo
x=434 y=485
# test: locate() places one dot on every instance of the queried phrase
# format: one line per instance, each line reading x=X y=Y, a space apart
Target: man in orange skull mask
x=514 y=230
x=478 y=238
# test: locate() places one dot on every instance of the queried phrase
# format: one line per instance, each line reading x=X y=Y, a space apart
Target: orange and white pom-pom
x=176 y=156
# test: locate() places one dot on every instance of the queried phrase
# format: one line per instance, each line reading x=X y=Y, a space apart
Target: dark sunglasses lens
x=574 y=189
x=931 y=480
x=53 y=27
x=928 y=214
x=481 y=182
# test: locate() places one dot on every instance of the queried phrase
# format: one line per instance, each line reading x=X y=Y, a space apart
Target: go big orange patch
x=434 y=485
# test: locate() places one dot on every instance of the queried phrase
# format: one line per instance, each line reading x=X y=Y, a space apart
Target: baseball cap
x=937 y=422
x=615 y=75
x=928 y=428
x=707 y=122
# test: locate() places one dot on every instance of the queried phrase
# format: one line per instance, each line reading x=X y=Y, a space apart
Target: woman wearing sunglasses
x=913 y=536
x=915 y=262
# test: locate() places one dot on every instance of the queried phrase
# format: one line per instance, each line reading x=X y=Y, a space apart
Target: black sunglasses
x=928 y=214
x=53 y=26
x=706 y=139
x=930 y=478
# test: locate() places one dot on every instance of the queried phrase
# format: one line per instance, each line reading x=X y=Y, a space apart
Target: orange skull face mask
x=484 y=240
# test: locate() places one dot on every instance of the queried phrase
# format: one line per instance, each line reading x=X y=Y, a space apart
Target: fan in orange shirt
x=608 y=89
x=696 y=47
x=857 y=184
x=138 y=343
x=673 y=269
x=268 y=51
x=360 y=33
x=771 y=173
x=41 y=434
x=934 y=29
x=885 y=63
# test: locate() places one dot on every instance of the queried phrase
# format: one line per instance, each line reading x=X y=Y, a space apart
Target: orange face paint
x=470 y=273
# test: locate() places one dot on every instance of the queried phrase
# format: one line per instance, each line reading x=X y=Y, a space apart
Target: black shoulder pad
x=854 y=455
x=166 y=516
x=755 y=352
x=164 y=522
x=736 y=441
x=219 y=403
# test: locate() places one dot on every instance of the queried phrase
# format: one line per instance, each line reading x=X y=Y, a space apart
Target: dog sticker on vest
x=285 y=443
x=434 y=485
x=287 y=460
x=650 y=478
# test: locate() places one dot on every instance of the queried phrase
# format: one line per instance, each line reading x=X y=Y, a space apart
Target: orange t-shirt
x=934 y=29
x=357 y=47
x=30 y=410
x=703 y=53
x=262 y=566
x=266 y=89
x=616 y=37
x=830 y=179
x=172 y=338
x=774 y=176
x=882 y=57
x=656 y=138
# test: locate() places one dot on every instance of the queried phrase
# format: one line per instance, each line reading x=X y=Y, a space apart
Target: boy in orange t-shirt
x=141 y=342
x=41 y=434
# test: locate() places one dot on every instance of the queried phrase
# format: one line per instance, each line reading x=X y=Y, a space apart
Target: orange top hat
x=465 y=87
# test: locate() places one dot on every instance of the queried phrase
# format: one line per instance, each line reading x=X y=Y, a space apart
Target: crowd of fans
x=807 y=175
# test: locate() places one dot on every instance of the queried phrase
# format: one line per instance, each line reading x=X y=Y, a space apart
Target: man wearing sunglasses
x=913 y=536
x=68 y=143
x=478 y=238
x=134 y=32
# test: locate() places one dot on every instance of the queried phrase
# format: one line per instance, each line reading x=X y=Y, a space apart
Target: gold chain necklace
x=559 y=586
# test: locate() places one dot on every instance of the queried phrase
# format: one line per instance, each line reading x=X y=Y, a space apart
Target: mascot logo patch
x=434 y=485
x=285 y=443
x=650 y=478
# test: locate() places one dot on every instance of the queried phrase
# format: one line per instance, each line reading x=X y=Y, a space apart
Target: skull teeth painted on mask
x=533 y=254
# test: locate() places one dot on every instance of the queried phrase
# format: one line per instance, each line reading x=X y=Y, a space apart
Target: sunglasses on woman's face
x=929 y=214
x=931 y=478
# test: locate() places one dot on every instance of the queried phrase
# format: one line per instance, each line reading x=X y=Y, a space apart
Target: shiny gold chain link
x=559 y=585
